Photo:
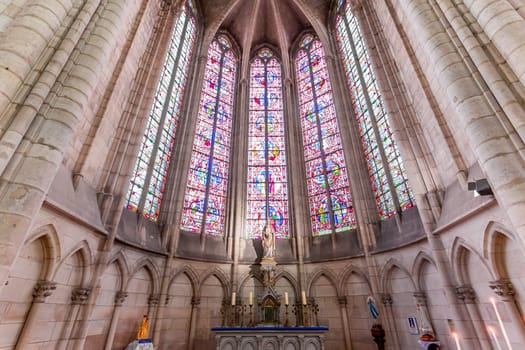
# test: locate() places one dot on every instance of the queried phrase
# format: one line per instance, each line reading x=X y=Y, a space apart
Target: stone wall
x=76 y=81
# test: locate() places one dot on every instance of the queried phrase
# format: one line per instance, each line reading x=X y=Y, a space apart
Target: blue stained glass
x=154 y=156
x=205 y=199
x=330 y=201
x=267 y=181
x=364 y=90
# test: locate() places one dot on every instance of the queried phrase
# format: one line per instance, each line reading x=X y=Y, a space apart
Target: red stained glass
x=330 y=201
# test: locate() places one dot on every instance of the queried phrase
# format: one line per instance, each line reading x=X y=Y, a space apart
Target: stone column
x=506 y=293
x=78 y=298
x=387 y=301
x=195 y=306
x=120 y=297
x=505 y=27
x=42 y=290
x=153 y=303
x=467 y=296
x=346 y=326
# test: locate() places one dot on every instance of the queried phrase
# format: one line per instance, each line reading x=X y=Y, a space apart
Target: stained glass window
x=267 y=181
x=149 y=174
x=331 y=208
x=205 y=199
x=385 y=166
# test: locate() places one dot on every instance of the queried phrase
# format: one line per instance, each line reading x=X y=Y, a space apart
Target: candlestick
x=233 y=299
x=251 y=324
x=286 y=321
x=303 y=297
x=503 y=331
x=286 y=298
x=456 y=338
x=250 y=299
x=492 y=333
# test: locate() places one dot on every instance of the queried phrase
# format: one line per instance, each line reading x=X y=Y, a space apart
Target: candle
x=505 y=336
x=494 y=339
x=233 y=299
x=285 y=298
x=250 y=299
x=456 y=338
x=303 y=297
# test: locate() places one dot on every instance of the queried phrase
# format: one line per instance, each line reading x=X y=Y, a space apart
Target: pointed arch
x=246 y=277
x=190 y=274
x=150 y=267
x=421 y=258
x=458 y=255
x=86 y=256
x=221 y=276
x=290 y=278
x=390 y=265
x=345 y=275
x=493 y=240
x=319 y=273
x=122 y=265
x=52 y=249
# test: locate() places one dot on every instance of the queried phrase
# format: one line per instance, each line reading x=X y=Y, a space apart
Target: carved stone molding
x=195 y=301
x=153 y=300
x=466 y=294
x=386 y=299
x=503 y=288
x=80 y=295
x=421 y=298
x=342 y=301
x=42 y=290
x=120 y=297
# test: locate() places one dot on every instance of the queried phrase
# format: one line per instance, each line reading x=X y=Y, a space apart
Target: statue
x=268 y=242
x=143 y=329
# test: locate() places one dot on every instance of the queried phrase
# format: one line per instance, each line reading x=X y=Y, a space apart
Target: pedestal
x=141 y=344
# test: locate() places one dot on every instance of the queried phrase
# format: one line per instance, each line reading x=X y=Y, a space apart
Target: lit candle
x=285 y=298
x=303 y=297
x=250 y=299
x=233 y=299
x=494 y=338
x=505 y=336
x=456 y=338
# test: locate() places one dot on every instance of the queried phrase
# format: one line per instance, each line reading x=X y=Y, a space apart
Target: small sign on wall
x=412 y=325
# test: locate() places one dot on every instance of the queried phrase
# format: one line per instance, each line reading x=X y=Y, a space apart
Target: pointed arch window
x=205 y=198
x=149 y=174
x=267 y=179
x=386 y=169
x=329 y=197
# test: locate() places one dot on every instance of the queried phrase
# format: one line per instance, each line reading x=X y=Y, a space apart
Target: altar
x=264 y=323
x=270 y=338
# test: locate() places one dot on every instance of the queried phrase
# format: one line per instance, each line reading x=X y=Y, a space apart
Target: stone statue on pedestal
x=268 y=242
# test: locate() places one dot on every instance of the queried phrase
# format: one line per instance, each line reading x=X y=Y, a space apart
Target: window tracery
x=267 y=178
x=385 y=166
x=205 y=197
x=149 y=173
x=330 y=201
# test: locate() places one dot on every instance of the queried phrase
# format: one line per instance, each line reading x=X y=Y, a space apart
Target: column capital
x=503 y=288
x=466 y=294
x=120 y=297
x=80 y=295
x=195 y=301
x=386 y=299
x=42 y=290
x=153 y=300
x=342 y=301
